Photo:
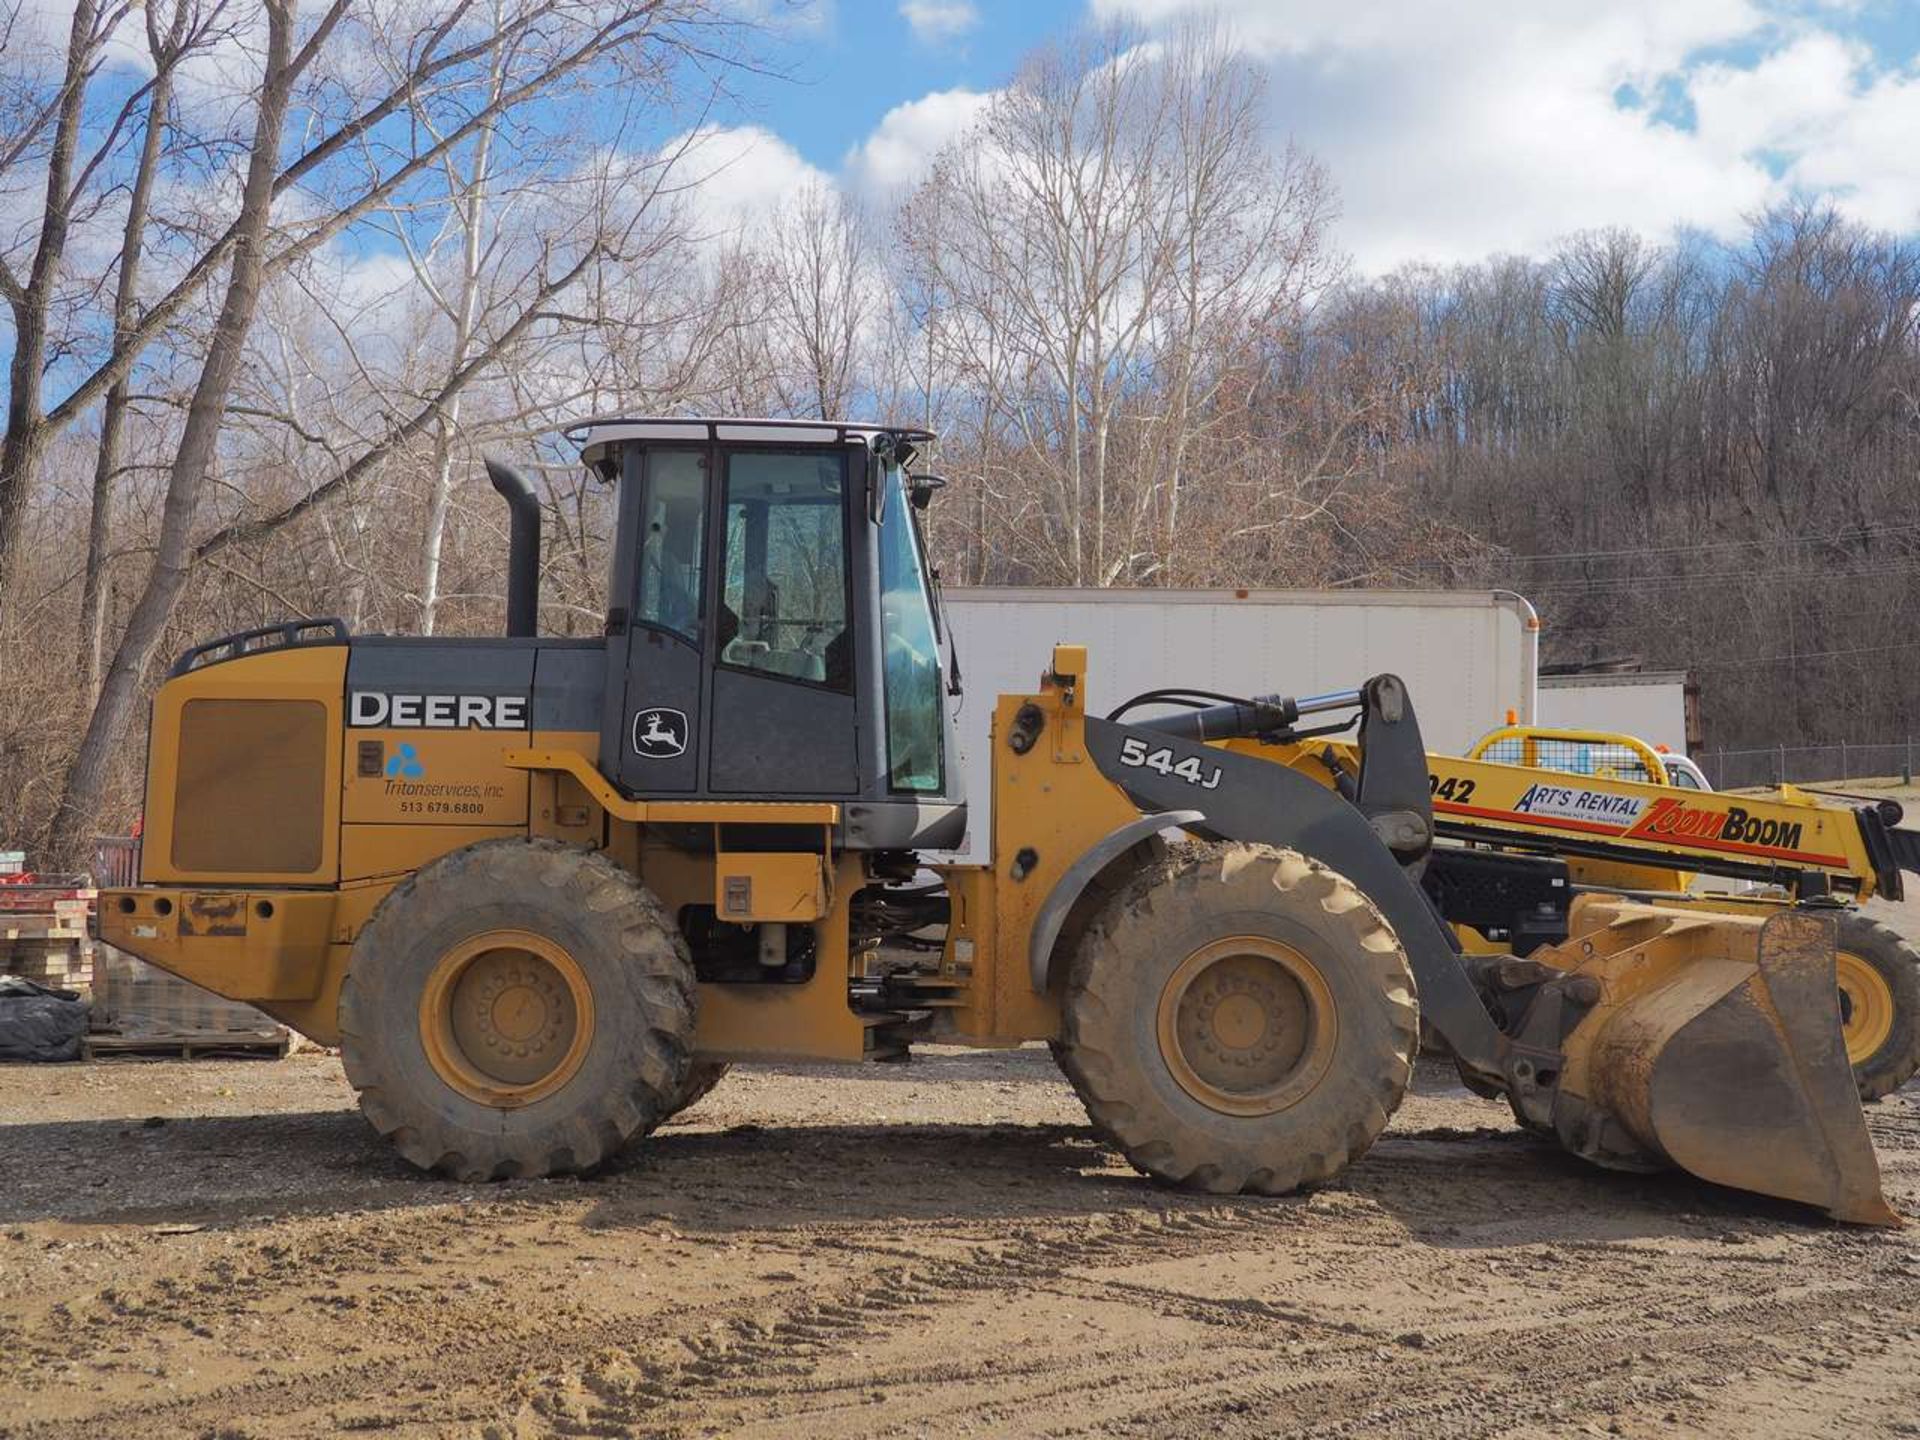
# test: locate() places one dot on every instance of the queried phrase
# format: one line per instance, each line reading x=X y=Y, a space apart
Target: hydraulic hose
x=1261 y=715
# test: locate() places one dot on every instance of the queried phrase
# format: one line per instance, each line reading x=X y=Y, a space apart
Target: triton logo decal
x=660 y=733
x=367 y=708
x=405 y=765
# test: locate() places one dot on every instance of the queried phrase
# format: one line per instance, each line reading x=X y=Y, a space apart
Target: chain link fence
x=1808 y=764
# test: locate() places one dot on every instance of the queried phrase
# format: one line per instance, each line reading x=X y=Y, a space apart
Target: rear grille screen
x=250 y=797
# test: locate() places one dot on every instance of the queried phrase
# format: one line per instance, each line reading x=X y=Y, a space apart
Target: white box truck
x=1650 y=704
x=1469 y=658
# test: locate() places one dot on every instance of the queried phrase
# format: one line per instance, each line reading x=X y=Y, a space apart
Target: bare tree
x=1248 y=243
x=186 y=26
x=1114 y=298
x=1108 y=248
x=205 y=413
x=469 y=190
x=55 y=125
x=828 y=291
x=428 y=65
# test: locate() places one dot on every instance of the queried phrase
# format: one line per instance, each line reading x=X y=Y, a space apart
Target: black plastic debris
x=39 y=1024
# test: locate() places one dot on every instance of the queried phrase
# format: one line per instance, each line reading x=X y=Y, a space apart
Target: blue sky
x=1451 y=130
x=857 y=59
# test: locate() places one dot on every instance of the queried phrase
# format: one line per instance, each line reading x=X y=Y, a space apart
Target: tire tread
x=1119 y=1099
x=642 y=941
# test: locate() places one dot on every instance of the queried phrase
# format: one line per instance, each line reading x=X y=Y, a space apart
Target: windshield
x=911 y=671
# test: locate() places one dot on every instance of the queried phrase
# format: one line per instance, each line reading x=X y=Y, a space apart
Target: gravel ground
x=223 y=1249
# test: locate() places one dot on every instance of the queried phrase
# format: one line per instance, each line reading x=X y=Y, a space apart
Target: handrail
x=1530 y=736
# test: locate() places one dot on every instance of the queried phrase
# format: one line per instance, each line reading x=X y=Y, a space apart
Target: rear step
x=890 y=1034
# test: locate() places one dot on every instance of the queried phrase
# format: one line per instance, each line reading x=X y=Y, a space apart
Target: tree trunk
x=26 y=437
x=86 y=779
x=113 y=420
x=440 y=498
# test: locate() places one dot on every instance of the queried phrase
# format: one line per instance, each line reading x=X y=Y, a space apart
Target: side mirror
x=920 y=489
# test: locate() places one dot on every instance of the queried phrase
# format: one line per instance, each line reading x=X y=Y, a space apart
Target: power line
x=1857 y=532
x=1601 y=583
x=1753 y=660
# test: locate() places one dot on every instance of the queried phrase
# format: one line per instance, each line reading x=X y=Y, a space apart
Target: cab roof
x=594 y=436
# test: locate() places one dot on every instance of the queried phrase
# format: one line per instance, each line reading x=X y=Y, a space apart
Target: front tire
x=1240 y=1019
x=1879 y=980
x=517 y=1008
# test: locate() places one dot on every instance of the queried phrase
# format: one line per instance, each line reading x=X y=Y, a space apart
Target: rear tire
x=517 y=1008
x=1879 y=977
x=702 y=1076
x=1240 y=1019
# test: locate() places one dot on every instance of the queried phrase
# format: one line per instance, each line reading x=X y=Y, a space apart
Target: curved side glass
x=911 y=651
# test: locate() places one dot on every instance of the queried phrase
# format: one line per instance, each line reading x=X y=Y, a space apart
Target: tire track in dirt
x=858 y=1280
x=736 y=1367
x=727 y=1341
x=1518 y=1373
x=1683 y=1311
x=1549 y=1376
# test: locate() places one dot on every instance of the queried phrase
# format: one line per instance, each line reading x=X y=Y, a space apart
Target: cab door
x=782 y=714
x=657 y=728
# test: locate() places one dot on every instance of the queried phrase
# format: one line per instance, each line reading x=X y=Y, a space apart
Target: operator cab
x=773 y=631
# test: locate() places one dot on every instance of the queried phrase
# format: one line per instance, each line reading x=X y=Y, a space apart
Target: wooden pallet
x=190 y=1044
x=40 y=928
x=56 y=979
x=59 y=960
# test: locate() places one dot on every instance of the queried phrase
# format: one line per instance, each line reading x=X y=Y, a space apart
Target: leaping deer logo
x=660 y=733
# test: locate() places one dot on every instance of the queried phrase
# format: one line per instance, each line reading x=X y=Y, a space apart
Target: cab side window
x=783 y=598
x=910 y=679
x=673 y=526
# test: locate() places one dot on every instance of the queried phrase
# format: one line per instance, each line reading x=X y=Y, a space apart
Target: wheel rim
x=1247 y=1025
x=1866 y=1006
x=506 y=1018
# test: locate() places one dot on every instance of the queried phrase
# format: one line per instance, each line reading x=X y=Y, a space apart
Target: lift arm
x=1371 y=839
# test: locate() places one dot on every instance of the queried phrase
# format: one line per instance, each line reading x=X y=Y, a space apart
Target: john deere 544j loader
x=539 y=890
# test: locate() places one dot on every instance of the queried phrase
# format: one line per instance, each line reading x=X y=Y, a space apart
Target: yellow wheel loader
x=539 y=889
x=1606 y=820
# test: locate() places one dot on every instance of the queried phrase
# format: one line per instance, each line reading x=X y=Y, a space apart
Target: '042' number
x=1134 y=752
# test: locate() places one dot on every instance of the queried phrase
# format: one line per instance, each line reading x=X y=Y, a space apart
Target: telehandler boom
x=539 y=890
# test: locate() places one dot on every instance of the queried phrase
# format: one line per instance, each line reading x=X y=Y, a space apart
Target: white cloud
x=375 y=279
x=1833 y=125
x=902 y=146
x=1454 y=131
x=936 y=20
x=733 y=177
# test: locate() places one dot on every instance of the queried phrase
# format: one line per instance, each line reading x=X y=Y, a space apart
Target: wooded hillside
x=277 y=278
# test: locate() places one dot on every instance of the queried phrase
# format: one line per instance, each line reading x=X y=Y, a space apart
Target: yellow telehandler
x=1605 y=819
x=540 y=889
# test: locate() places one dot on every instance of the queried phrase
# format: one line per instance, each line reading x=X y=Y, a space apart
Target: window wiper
x=941 y=632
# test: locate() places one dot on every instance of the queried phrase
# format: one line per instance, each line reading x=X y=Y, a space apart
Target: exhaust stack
x=523 y=547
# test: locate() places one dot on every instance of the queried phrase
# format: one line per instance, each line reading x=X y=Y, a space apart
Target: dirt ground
x=223 y=1249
